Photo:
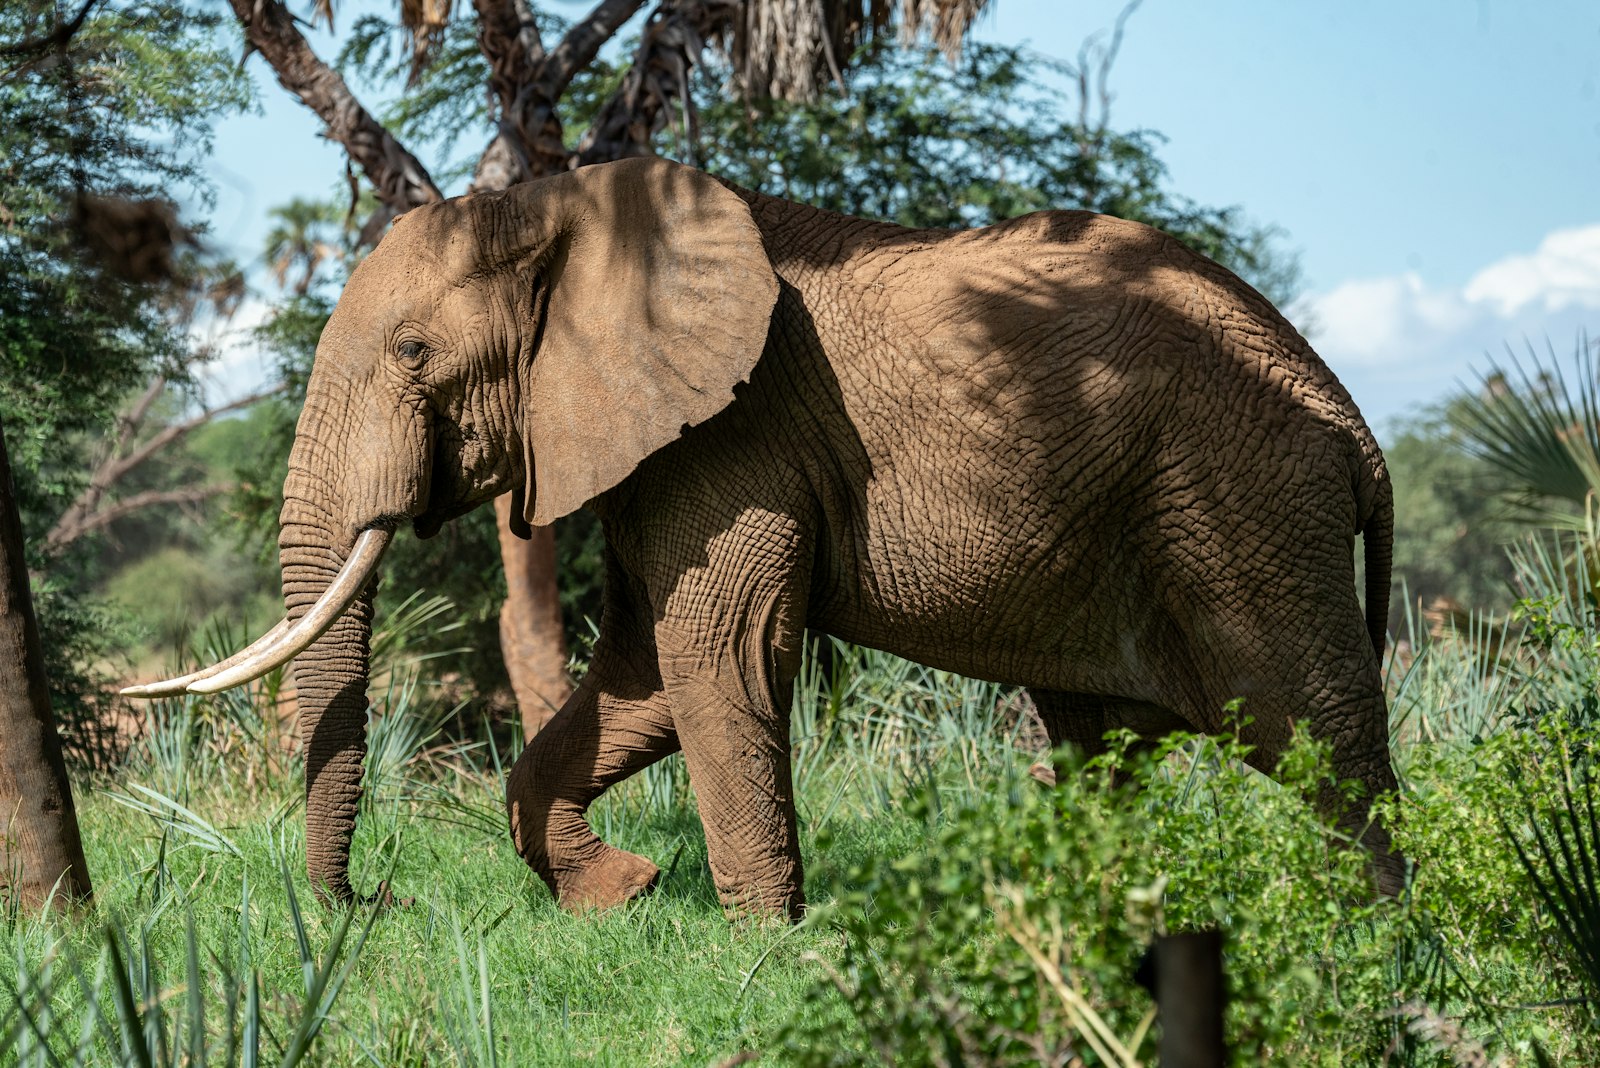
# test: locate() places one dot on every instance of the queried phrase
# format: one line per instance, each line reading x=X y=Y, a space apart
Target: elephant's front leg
x=598 y=739
x=616 y=724
x=730 y=643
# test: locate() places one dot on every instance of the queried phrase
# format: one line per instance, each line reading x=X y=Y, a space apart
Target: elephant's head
x=544 y=341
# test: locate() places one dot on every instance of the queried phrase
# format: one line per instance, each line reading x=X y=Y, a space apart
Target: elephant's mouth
x=454 y=488
x=428 y=523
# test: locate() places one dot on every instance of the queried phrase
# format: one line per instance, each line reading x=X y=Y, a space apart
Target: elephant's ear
x=657 y=295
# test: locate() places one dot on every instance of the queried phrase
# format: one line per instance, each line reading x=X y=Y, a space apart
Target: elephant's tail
x=1377 y=536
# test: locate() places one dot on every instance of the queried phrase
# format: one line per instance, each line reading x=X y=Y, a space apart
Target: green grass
x=961 y=910
x=199 y=816
x=656 y=984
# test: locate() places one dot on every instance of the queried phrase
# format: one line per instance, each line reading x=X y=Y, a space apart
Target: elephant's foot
x=1386 y=865
x=781 y=907
x=773 y=892
x=614 y=878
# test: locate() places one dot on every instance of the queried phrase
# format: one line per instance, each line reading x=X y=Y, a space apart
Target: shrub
x=1013 y=937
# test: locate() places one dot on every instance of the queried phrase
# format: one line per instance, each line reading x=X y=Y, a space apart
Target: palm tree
x=304 y=238
x=781 y=48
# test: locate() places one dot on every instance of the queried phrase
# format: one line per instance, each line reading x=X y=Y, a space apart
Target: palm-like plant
x=789 y=48
x=1538 y=426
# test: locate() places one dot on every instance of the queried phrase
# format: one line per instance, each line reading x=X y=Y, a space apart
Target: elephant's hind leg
x=615 y=725
x=1355 y=726
x=1305 y=658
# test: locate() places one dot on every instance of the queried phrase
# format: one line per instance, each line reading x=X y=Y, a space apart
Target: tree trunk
x=40 y=848
x=531 y=638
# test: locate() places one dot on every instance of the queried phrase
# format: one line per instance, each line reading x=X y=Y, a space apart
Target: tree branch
x=528 y=82
x=177 y=430
x=400 y=179
x=83 y=514
x=582 y=43
x=527 y=141
x=55 y=39
x=127 y=506
x=129 y=422
x=508 y=36
x=673 y=39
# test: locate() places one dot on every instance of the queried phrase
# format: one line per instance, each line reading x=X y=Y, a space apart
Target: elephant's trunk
x=331 y=680
x=329 y=554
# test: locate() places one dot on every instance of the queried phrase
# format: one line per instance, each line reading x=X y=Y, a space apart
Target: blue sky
x=1435 y=163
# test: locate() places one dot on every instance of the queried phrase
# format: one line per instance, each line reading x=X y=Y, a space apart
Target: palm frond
x=790 y=48
x=1539 y=427
x=1562 y=861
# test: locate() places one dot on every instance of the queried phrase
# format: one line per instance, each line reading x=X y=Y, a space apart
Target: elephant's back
x=1074 y=404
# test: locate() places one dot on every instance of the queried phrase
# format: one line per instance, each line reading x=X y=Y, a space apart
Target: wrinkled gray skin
x=1063 y=452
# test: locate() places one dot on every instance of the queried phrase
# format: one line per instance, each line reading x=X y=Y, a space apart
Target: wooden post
x=1190 y=997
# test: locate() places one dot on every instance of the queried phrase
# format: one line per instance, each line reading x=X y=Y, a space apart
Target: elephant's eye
x=411 y=352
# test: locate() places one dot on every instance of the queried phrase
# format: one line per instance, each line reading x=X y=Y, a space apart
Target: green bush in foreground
x=1014 y=935
x=965 y=914
x=1011 y=935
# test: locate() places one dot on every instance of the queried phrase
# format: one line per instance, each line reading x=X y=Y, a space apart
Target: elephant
x=1064 y=452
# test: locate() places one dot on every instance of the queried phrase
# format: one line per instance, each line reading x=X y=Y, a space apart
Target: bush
x=1014 y=935
x=173 y=593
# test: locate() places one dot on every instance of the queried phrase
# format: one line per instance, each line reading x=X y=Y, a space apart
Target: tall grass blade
x=129 y=1016
x=195 y=982
x=251 y=1038
x=155 y=1016
x=325 y=980
x=170 y=814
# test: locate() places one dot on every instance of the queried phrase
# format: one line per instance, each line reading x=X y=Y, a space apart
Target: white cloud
x=1396 y=342
x=1564 y=271
x=1369 y=320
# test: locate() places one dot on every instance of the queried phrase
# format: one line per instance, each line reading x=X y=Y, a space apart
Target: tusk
x=180 y=685
x=268 y=651
x=341 y=593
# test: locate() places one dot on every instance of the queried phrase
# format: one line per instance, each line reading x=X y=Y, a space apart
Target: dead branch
x=1092 y=73
x=128 y=505
x=400 y=179
x=658 y=81
x=85 y=513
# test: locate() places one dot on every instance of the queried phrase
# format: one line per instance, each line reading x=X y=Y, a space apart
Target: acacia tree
x=39 y=840
x=97 y=106
x=777 y=48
